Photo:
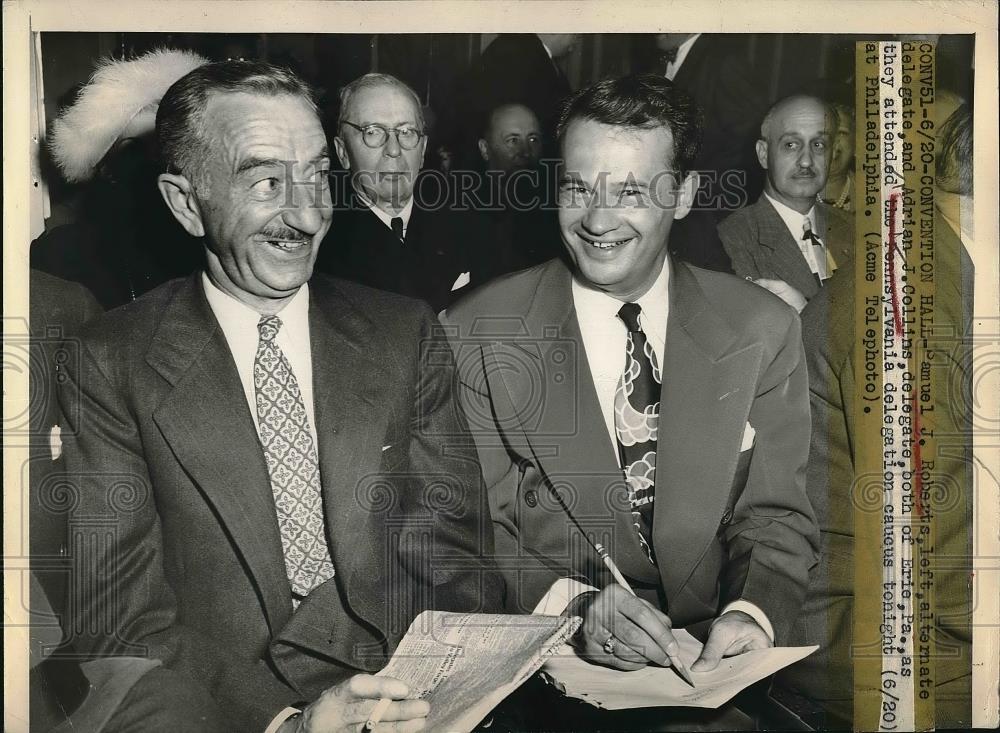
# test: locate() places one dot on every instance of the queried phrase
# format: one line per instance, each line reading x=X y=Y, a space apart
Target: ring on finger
x=609 y=645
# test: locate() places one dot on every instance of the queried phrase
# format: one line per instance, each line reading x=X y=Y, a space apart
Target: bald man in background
x=513 y=189
x=788 y=241
x=512 y=139
x=821 y=689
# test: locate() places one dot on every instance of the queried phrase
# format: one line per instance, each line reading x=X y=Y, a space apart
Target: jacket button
x=727 y=517
x=531 y=498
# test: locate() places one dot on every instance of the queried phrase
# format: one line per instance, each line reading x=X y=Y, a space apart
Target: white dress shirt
x=387 y=218
x=682 y=51
x=796 y=224
x=604 y=337
x=239 y=326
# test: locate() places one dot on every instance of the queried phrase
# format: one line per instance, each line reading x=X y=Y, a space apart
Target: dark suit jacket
x=822 y=684
x=58 y=310
x=733 y=99
x=728 y=524
x=516 y=68
x=177 y=552
x=760 y=245
x=440 y=245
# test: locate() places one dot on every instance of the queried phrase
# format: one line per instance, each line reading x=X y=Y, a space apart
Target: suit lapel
x=554 y=399
x=785 y=257
x=704 y=402
x=207 y=423
x=688 y=76
x=351 y=423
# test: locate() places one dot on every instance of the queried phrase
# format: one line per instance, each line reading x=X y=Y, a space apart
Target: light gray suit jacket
x=729 y=523
x=760 y=245
x=175 y=544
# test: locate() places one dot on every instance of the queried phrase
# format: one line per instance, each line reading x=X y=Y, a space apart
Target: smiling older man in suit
x=788 y=241
x=261 y=446
x=659 y=408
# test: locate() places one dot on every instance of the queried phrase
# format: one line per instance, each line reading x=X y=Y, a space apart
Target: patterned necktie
x=291 y=463
x=819 y=251
x=397 y=227
x=637 y=412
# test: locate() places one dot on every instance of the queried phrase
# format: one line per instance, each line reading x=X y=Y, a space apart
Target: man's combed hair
x=954 y=158
x=642 y=102
x=180 y=117
x=375 y=79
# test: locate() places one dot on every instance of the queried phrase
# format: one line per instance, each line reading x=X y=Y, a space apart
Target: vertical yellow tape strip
x=918 y=161
x=866 y=406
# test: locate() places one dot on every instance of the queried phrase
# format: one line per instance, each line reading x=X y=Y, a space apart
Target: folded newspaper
x=465 y=664
x=614 y=689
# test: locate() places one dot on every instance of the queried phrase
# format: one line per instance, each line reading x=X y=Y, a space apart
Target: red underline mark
x=897 y=315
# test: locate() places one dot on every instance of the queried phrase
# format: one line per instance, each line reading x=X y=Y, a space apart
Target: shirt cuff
x=280 y=718
x=752 y=610
x=559 y=595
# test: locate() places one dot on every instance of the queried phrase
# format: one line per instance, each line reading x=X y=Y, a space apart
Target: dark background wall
x=433 y=64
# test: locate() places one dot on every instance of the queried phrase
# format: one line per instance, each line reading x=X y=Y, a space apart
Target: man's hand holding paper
x=734 y=632
x=348 y=705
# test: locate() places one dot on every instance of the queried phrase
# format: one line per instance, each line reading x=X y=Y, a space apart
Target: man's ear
x=761 y=148
x=685 y=195
x=423 y=149
x=484 y=151
x=178 y=193
x=338 y=146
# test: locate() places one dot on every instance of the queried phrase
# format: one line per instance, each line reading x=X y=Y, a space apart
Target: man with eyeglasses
x=788 y=241
x=384 y=235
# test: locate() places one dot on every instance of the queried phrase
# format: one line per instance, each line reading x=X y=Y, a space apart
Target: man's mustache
x=283 y=234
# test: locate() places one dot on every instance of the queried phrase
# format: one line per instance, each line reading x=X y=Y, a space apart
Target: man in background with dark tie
x=788 y=241
x=252 y=450
x=391 y=229
x=656 y=407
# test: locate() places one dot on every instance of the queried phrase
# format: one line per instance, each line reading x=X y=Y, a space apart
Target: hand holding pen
x=623 y=631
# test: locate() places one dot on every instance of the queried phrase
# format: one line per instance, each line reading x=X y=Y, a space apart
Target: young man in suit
x=707 y=424
x=252 y=512
x=385 y=234
x=788 y=241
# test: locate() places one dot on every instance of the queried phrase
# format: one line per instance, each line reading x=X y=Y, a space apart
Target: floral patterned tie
x=291 y=463
x=637 y=412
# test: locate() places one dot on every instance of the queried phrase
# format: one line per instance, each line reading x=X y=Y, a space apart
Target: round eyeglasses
x=375 y=136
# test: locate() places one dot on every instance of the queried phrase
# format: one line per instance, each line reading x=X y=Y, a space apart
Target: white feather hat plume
x=115 y=95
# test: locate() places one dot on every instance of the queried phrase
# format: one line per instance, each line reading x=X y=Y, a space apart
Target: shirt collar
x=957 y=211
x=793 y=219
x=653 y=302
x=386 y=217
x=683 y=50
x=230 y=312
